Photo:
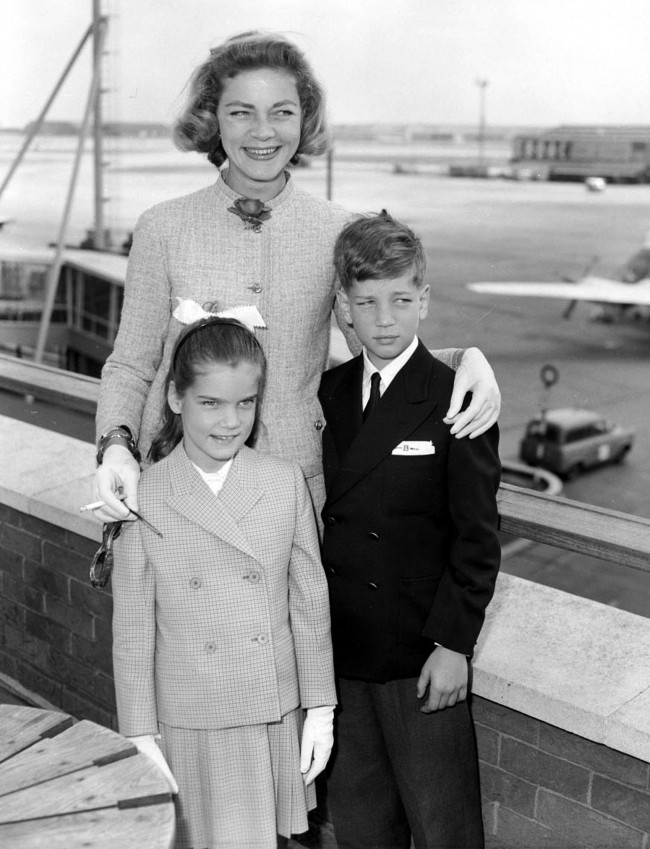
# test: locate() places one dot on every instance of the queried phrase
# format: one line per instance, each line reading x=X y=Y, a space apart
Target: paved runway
x=503 y=230
x=477 y=230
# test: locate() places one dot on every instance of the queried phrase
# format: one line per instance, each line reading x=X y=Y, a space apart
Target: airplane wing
x=595 y=289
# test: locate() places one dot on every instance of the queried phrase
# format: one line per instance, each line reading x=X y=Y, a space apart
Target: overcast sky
x=546 y=61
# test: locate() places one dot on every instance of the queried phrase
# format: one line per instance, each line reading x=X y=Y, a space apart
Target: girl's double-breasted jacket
x=224 y=621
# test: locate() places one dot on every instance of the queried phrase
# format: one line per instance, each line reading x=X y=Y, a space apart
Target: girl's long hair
x=209 y=341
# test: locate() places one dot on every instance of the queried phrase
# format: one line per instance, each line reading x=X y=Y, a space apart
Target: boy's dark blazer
x=410 y=542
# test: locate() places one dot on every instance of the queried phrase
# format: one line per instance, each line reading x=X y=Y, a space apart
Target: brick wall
x=544 y=787
x=55 y=629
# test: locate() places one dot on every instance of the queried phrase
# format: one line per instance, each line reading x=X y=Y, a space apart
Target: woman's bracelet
x=121 y=434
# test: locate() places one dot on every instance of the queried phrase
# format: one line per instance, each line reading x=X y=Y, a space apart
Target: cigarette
x=94 y=506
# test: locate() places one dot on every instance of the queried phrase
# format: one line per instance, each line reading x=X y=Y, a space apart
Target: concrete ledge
x=47 y=475
x=573 y=663
x=568 y=661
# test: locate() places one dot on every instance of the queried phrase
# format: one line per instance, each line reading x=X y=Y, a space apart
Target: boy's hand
x=445 y=675
x=474 y=375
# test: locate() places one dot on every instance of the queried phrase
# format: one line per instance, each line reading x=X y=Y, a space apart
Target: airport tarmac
x=477 y=230
x=505 y=230
x=539 y=232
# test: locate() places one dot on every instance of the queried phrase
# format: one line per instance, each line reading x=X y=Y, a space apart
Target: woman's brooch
x=252 y=212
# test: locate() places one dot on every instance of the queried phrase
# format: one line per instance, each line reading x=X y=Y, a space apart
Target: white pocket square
x=414 y=449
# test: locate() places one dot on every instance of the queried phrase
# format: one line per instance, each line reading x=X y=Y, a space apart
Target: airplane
x=630 y=291
x=596 y=290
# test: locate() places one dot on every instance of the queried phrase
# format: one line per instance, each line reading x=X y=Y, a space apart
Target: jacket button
x=195 y=583
x=318 y=424
x=330 y=520
x=211 y=647
x=372 y=586
x=254 y=577
x=262 y=639
x=256 y=288
x=373 y=535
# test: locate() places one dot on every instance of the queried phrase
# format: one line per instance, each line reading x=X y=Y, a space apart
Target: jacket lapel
x=407 y=402
x=221 y=516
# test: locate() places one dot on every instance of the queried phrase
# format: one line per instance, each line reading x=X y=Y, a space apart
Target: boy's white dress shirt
x=388 y=373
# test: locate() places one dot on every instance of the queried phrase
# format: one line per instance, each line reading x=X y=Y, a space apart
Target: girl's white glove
x=146 y=745
x=317 y=742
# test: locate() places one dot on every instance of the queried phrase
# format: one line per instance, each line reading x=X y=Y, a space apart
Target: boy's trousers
x=397 y=772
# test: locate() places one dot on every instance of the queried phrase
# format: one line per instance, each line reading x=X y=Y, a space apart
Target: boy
x=411 y=554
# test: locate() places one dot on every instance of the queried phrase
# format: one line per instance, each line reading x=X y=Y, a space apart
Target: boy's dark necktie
x=375 y=380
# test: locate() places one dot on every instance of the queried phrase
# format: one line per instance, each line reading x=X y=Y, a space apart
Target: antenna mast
x=100 y=25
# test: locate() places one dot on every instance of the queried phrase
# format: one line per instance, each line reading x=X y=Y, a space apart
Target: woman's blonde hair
x=197 y=128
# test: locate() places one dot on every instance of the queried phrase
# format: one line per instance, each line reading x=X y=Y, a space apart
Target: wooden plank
x=150 y=827
x=572 y=525
x=78 y=747
x=77 y=391
x=21 y=727
x=132 y=782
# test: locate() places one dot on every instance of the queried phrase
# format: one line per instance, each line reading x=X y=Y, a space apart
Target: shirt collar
x=390 y=370
x=215 y=480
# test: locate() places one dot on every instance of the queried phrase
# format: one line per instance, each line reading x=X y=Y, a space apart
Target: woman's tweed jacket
x=192 y=247
x=224 y=621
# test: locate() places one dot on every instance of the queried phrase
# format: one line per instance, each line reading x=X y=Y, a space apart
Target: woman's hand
x=474 y=375
x=116 y=481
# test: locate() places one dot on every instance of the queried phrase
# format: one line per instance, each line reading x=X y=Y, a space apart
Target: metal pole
x=55 y=269
x=39 y=121
x=482 y=84
x=329 y=172
x=100 y=25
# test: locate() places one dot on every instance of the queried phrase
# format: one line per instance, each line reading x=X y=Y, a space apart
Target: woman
x=252 y=238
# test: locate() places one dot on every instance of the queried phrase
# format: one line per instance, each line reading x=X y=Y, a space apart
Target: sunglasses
x=102 y=565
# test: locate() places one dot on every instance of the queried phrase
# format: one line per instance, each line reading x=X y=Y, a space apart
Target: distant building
x=136 y=129
x=618 y=154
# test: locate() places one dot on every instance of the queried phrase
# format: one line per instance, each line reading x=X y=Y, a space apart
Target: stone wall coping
x=571 y=662
x=47 y=475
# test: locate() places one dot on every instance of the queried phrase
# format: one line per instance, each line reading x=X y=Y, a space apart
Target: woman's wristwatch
x=120 y=435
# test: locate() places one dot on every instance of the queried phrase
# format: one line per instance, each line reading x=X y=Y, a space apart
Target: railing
x=75 y=391
x=575 y=526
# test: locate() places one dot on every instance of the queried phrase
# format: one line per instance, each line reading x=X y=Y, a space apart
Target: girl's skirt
x=238 y=787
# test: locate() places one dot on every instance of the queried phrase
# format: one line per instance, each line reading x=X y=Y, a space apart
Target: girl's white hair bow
x=189 y=311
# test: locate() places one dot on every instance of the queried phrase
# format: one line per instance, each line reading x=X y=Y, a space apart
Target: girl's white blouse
x=215 y=480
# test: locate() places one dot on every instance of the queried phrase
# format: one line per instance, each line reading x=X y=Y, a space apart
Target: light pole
x=482 y=84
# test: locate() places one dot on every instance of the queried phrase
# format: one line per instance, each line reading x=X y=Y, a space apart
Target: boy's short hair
x=378 y=247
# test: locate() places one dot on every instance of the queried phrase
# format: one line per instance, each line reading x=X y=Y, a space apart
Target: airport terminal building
x=617 y=154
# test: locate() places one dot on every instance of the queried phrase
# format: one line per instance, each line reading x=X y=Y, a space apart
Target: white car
x=569 y=441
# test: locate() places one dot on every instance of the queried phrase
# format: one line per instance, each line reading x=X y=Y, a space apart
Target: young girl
x=221 y=627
